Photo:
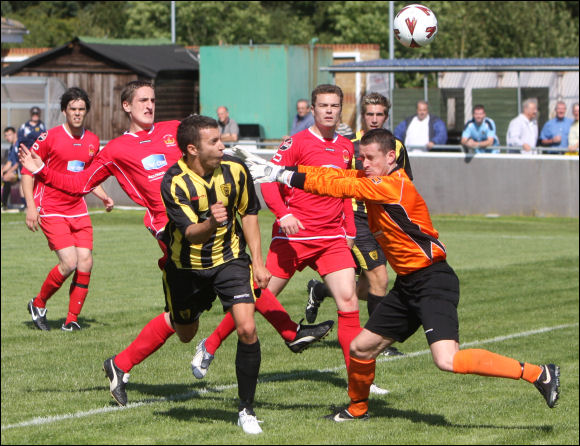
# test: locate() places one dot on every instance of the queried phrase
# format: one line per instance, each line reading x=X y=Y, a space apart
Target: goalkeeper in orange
x=426 y=290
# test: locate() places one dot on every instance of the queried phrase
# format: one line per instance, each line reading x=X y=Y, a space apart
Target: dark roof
x=145 y=60
x=430 y=65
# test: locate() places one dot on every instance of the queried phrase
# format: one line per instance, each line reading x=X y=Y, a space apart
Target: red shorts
x=63 y=232
x=325 y=256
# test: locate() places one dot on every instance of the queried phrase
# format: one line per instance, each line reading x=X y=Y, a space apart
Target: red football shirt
x=322 y=217
x=138 y=161
x=64 y=153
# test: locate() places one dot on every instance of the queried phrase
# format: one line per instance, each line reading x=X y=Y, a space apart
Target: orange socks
x=485 y=363
x=361 y=375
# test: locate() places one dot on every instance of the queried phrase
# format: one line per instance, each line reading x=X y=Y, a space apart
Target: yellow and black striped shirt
x=188 y=197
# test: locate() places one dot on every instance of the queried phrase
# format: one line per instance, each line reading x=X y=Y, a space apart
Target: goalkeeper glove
x=262 y=171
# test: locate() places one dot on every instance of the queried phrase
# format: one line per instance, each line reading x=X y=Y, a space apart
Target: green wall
x=260 y=84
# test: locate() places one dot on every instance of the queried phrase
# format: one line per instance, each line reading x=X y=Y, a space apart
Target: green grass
x=518 y=276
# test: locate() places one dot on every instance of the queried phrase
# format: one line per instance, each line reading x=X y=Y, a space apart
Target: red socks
x=348 y=329
x=222 y=331
x=269 y=307
x=51 y=285
x=151 y=338
x=79 y=289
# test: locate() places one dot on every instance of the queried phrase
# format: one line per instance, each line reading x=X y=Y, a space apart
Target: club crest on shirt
x=42 y=136
x=345 y=155
x=286 y=144
x=376 y=180
x=169 y=140
x=91 y=150
x=226 y=189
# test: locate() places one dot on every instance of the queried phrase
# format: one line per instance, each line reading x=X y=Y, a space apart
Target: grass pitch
x=519 y=297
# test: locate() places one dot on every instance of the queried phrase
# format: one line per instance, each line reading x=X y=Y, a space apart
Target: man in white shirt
x=423 y=130
x=523 y=129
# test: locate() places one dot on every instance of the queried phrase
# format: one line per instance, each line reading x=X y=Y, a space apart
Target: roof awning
x=436 y=65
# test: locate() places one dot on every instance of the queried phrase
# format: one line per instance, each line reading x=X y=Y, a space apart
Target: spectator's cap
x=35 y=111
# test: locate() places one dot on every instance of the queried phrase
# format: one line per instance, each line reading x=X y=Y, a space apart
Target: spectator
x=573 y=134
x=229 y=129
x=29 y=132
x=479 y=132
x=555 y=131
x=422 y=131
x=303 y=118
x=11 y=168
x=523 y=129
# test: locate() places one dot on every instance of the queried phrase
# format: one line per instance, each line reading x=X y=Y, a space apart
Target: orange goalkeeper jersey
x=398 y=216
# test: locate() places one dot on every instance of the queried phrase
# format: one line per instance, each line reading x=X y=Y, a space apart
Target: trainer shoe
x=392 y=351
x=71 y=326
x=307 y=334
x=117 y=381
x=376 y=390
x=344 y=415
x=548 y=383
x=38 y=316
x=248 y=421
x=201 y=360
x=313 y=302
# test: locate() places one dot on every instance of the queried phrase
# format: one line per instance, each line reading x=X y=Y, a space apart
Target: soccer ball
x=415 y=26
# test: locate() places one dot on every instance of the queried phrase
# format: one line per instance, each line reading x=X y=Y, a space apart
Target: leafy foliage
x=467 y=29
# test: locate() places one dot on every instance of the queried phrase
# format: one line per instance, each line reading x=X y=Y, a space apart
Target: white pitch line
x=195 y=393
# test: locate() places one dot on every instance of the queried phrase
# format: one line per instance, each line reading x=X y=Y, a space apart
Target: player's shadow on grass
x=380 y=409
x=56 y=324
x=171 y=392
x=326 y=377
x=201 y=415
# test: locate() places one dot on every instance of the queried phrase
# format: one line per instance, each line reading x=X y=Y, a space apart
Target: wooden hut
x=103 y=68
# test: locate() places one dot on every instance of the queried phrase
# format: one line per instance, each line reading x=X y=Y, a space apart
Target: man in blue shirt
x=31 y=129
x=303 y=118
x=555 y=131
x=479 y=132
x=11 y=168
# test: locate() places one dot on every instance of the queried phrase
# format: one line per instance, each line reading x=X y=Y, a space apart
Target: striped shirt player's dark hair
x=74 y=94
x=188 y=131
x=129 y=91
x=327 y=89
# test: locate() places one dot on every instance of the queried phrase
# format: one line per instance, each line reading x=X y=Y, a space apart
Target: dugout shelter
x=501 y=85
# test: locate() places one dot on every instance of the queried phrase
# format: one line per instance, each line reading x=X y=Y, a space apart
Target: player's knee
x=358 y=351
x=444 y=362
x=67 y=266
x=247 y=332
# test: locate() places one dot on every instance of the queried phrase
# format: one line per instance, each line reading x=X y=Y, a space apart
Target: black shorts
x=366 y=251
x=188 y=293
x=427 y=297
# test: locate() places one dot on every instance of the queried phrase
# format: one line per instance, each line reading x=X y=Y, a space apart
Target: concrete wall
x=453 y=183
